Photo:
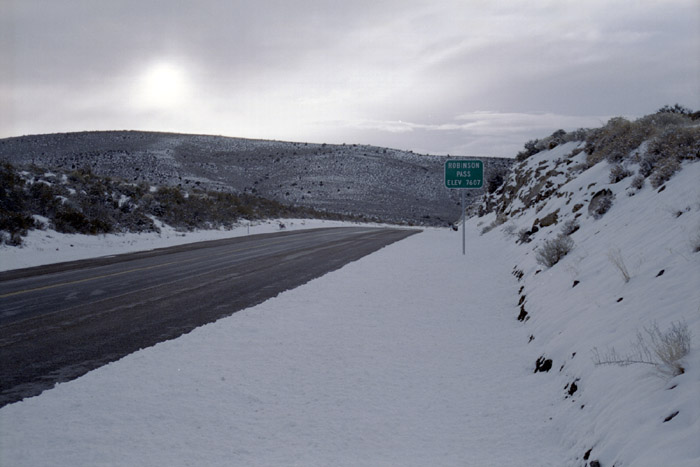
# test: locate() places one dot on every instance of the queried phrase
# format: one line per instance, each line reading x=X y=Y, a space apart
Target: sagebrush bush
x=524 y=236
x=617 y=139
x=534 y=146
x=668 y=133
x=554 y=250
x=664 y=171
x=665 y=152
x=663 y=350
x=509 y=230
x=618 y=172
x=495 y=178
x=499 y=220
x=570 y=227
x=616 y=258
x=637 y=182
x=83 y=202
x=675 y=109
x=530 y=150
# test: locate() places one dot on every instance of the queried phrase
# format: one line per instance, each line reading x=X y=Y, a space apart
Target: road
x=60 y=321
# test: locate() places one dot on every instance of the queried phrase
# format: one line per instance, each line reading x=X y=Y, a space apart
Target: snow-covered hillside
x=377 y=183
x=417 y=355
x=633 y=269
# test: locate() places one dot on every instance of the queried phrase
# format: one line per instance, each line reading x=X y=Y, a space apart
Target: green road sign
x=462 y=174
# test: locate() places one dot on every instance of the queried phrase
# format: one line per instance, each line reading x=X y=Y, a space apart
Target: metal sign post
x=464 y=220
x=464 y=175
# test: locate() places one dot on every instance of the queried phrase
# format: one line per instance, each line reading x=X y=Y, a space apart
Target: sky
x=459 y=77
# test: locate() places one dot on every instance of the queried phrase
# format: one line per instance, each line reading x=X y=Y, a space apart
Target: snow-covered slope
x=583 y=307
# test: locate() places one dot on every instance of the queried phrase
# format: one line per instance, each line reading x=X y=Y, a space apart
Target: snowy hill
x=373 y=182
x=630 y=285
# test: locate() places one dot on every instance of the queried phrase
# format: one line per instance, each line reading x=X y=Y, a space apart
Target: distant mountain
x=379 y=183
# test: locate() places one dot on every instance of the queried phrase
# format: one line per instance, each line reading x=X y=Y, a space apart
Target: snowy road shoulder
x=42 y=247
x=410 y=356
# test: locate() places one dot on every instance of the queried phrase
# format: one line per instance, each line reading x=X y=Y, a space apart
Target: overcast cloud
x=467 y=77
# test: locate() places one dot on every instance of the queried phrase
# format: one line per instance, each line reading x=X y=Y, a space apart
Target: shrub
x=524 y=236
x=71 y=221
x=577 y=135
x=637 y=182
x=664 y=171
x=663 y=350
x=570 y=227
x=675 y=109
x=530 y=150
x=665 y=151
x=617 y=139
x=552 y=251
x=500 y=219
x=495 y=178
x=618 y=173
x=509 y=230
x=615 y=257
x=13 y=226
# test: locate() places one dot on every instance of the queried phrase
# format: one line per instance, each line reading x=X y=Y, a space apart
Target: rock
x=671 y=417
x=543 y=364
x=523 y=314
x=573 y=388
x=550 y=219
x=600 y=203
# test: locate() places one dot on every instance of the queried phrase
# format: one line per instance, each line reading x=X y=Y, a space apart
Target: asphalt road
x=60 y=321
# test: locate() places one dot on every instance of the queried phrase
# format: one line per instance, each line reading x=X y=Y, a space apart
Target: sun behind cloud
x=162 y=85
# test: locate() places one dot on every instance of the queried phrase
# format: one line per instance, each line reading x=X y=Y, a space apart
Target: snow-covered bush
x=617 y=139
x=530 y=150
x=509 y=230
x=570 y=227
x=637 y=182
x=670 y=135
x=552 y=251
x=618 y=172
x=665 y=152
x=81 y=201
x=664 y=171
x=499 y=220
x=524 y=235
x=534 y=146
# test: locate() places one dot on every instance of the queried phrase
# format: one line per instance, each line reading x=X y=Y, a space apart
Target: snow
x=364 y=366
x=622 y=419
x=47 y=246
x=410 y=356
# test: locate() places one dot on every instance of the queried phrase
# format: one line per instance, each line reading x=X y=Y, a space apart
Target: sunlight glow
x=162 y=86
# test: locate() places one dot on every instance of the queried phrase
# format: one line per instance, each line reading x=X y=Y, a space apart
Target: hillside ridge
x=358 y=180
